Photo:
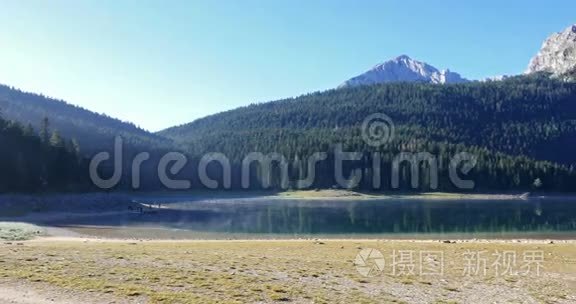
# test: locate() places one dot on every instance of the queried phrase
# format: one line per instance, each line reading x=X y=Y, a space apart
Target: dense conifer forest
x=523 y=129
x=522 y=132
x=39 y=160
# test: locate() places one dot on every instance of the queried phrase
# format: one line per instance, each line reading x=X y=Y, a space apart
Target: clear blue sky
x=162 y=63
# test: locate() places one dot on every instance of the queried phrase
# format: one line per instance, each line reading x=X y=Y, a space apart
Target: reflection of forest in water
x=307 y=217
x=278 y=216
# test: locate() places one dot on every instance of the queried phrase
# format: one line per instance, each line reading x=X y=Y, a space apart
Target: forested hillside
x=522 y=132
x=94 y=132
x=39 y=160
x=91 y=132
x=522 y=129
x=530 y=116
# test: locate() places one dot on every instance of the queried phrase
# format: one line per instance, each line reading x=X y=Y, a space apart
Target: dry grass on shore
x=279 y=271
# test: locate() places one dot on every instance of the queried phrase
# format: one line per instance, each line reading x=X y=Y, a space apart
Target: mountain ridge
x=94 y=131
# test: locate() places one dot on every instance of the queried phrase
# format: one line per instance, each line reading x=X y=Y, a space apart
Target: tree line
x=39 y=160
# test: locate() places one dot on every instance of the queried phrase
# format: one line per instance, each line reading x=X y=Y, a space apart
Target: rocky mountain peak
x=404 y=69
x=557 y=55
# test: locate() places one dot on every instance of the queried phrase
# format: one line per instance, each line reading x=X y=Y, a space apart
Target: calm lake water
x=552 y=217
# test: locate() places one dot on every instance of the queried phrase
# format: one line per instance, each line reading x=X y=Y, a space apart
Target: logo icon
x=370 y=262
x=377 y=129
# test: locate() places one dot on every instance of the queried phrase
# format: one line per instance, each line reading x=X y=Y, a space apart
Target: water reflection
x=372 y=217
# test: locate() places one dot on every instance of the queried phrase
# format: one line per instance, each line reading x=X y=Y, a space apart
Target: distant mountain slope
x=94 y=132
x=532 y=116
x=521 y=129
x=404 y=69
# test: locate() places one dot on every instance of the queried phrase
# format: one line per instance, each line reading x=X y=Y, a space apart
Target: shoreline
x=118 y=197
x=352 y=195
x=86 y=239
x=21 y=206
x=162 y=234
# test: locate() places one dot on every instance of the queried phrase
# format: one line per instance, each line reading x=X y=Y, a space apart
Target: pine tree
x=56 y=140
x=45 y=130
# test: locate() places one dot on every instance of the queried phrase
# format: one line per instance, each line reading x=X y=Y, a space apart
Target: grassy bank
x=281 y=271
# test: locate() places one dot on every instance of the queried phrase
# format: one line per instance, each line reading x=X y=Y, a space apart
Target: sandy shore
x=22 y=292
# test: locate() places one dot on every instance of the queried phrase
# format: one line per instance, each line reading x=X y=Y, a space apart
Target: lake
x=550 y=217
